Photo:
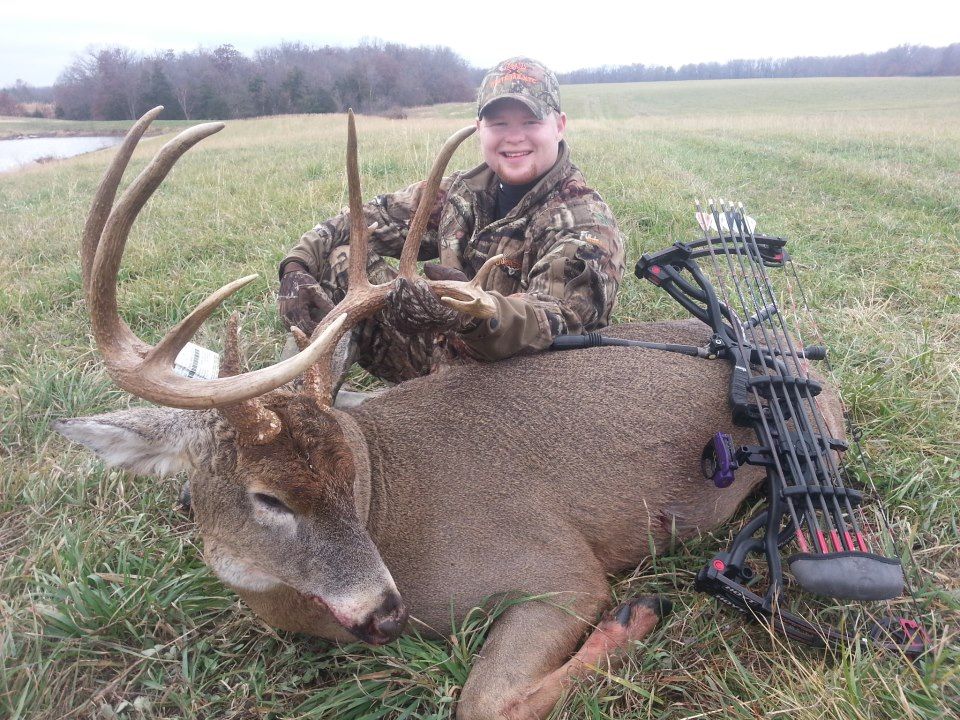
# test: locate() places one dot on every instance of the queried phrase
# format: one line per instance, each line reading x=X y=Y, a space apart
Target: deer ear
x=148 y=441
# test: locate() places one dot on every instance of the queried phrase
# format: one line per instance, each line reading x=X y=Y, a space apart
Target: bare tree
x=8 y=104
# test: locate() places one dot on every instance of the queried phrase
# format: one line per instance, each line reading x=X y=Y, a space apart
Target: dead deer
x=536 y=476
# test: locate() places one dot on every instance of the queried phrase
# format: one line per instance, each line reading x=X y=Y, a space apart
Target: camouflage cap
x=523 y=79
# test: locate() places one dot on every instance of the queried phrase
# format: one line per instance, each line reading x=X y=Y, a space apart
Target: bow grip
x=743 y=412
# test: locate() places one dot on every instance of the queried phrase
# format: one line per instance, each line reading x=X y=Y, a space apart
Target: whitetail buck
x=535 y=476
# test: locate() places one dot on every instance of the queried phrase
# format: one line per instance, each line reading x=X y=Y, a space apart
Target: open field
x=107 y=609
x=12 y=127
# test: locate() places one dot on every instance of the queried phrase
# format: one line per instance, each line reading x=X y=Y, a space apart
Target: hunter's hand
x=463 y=295
x=412 y=308
x=301 y=302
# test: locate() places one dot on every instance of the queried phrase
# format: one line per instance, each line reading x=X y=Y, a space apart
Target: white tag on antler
x=706 y=221
x=197 y=363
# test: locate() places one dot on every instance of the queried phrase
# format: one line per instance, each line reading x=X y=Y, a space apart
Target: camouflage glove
x=301 y=302
x=414 y=309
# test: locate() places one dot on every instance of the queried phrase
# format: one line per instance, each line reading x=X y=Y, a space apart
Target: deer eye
x=271 y=503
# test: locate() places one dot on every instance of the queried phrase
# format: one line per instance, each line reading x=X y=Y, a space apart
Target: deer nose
x=385 y=623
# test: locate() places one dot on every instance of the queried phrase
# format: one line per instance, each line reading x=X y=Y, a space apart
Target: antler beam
x=144 y=370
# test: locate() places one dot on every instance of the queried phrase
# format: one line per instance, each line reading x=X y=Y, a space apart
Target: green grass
x=106 y=606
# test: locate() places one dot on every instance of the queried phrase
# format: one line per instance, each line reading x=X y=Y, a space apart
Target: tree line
x=910 y=60
x=23 y=99
x=116 y=83
x=222 y=83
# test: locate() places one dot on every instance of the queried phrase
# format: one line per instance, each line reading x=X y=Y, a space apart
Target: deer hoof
x=183 y=501
x=627 y=611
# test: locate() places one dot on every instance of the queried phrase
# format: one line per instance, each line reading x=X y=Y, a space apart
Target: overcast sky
x=37 y=42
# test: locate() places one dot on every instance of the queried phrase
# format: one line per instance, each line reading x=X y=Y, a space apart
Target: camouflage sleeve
x=572 y=286
x=392 y=213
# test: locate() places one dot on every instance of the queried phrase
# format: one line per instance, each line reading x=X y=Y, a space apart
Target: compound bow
x=809 y=507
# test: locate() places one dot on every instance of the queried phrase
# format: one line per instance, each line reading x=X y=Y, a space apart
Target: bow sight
x=810 y=508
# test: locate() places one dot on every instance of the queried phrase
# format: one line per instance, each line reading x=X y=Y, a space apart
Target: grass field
x=107 y=610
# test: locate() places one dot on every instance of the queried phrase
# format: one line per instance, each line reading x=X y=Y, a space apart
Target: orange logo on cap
x=515 y=71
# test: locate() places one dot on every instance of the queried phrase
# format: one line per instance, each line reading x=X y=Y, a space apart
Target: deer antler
x=144 y=370
x=147 y=371
x=468 y=297
x=411 y=247
x=364 y=299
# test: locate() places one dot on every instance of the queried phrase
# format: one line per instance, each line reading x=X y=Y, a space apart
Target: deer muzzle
x=385 y=623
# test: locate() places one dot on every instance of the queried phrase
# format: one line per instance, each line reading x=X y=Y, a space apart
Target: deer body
x=565 y=467
x=566 y=462
x=536 y=476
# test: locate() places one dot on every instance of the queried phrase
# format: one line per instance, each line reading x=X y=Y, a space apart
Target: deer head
x=280 y=480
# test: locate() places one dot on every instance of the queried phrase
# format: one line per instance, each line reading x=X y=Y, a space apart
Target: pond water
x=23 y=151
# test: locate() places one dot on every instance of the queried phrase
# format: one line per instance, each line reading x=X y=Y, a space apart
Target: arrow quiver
x=811 y=513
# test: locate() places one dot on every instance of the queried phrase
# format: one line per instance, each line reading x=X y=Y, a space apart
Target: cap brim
x=538 y=109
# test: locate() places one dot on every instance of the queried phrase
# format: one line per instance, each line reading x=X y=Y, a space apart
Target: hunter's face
x=516 y=145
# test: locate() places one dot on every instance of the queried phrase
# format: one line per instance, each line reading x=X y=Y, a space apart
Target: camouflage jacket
x=563 y=252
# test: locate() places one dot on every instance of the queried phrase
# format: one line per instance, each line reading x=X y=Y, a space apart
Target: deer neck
x=360 y=452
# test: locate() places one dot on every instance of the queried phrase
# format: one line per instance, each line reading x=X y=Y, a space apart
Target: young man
x=564 y=255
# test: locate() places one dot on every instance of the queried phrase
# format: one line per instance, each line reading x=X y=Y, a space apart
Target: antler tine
x=134 y=365
x=172 y=343
x=251 y=420
x=312 y=378
x=411 y=248
x=230 y=364
x=469 y=297
x=106 y=193
x=357 y=269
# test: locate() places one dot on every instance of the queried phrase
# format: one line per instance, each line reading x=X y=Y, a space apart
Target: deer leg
x=528 y=659
x=605 y=647
x=526 y=643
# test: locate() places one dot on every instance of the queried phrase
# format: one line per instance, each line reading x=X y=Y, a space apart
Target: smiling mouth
x=520 y=154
